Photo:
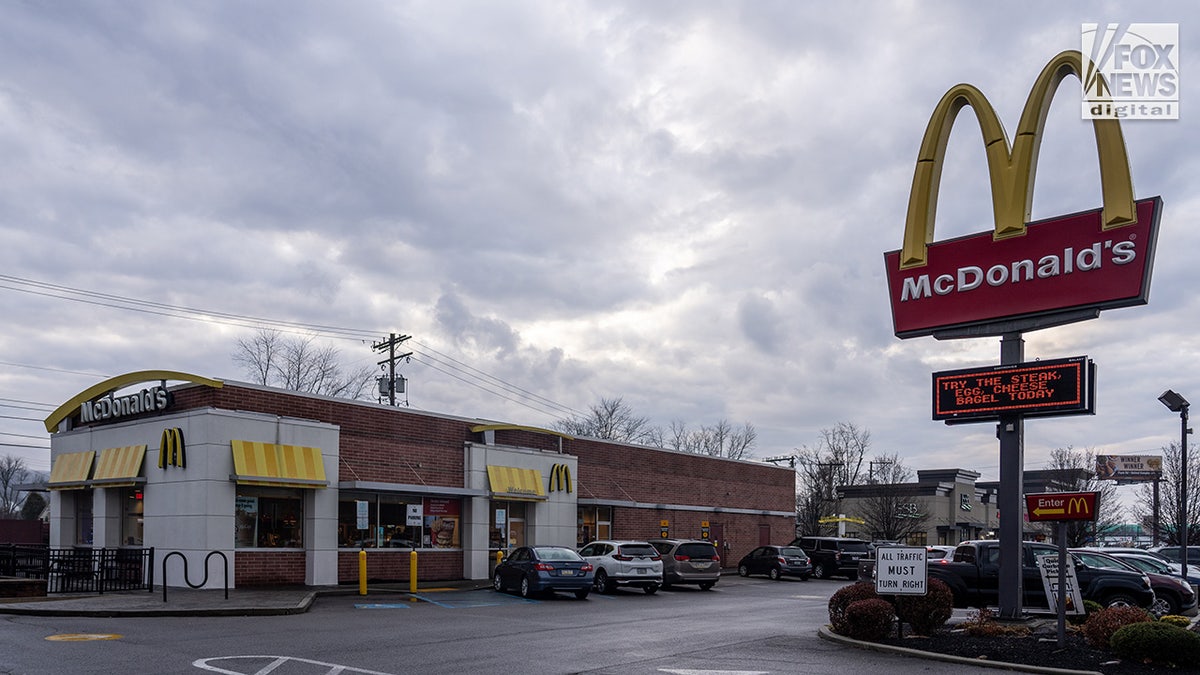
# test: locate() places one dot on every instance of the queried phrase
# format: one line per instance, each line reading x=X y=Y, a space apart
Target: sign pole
x=1062 y=583
x=1011 y=433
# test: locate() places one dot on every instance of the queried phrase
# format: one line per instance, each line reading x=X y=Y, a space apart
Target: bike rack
x=186 y=579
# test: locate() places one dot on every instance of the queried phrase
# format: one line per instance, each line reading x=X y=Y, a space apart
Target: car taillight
x=782 y=560
x=682 y=558
x=716 y=558
x=587 y=567
x=544 y=567
x=837 y=556
x=622 y=558
x=656 y=557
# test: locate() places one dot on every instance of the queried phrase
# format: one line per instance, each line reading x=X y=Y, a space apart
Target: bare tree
x=297 y=363
x=12 y=474
x=1074 y=471
x=610 y=419
x=837 y=459
x=1168 y=515
x=893 y=511
x=35 y=503
x=718 y=440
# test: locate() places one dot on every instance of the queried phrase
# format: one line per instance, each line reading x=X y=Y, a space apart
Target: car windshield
x=557 y=554
x=791 y=551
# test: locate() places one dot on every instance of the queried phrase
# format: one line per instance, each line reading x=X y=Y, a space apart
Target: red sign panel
x=1060 y=264
x=1062 y=505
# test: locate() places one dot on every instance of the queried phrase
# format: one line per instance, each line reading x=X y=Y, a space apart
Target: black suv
x=833 y=555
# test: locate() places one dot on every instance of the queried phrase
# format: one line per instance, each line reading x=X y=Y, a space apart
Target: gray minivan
x=689 y=561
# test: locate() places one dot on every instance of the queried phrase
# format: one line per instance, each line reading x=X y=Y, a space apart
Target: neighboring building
x=278 y=480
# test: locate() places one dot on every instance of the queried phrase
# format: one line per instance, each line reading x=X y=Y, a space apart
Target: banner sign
x=1062 y=505
x=1038 y=388
x=1133 y=468
x=1060 y=264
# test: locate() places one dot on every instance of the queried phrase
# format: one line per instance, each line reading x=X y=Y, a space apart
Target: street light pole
x=1179 y=404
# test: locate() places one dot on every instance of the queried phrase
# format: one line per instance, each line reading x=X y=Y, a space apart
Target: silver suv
x=689 y=561
x=624 y=563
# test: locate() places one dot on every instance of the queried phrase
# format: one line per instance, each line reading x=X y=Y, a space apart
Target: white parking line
x=274 y=662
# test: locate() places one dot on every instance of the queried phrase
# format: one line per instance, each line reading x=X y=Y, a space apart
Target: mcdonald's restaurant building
x=291 y=486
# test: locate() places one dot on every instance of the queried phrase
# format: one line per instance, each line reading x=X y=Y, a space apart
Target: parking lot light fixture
x=1179 y=404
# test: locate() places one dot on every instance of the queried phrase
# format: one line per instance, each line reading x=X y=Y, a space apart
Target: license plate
x=568 y=573
x=642 y=570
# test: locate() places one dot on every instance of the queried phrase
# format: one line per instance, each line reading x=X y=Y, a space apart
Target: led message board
x=1042 y=388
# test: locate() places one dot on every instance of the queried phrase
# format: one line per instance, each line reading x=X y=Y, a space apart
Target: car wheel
x=526 y=591
x=1160 y=608
x=774 y=574
x=853 y=576
x=1119 y=600
x=603 y=584
x=651 y=589
x=819 y=571
x=743 y=571
x=581 y=595
x=498 y=583
x=706 y=586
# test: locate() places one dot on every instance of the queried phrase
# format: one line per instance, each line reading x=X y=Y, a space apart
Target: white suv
x=624 y=563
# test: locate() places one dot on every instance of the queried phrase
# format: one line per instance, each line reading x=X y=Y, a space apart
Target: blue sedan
x=541 y=569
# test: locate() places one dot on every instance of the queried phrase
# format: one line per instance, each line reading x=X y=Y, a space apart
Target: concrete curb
x=825 y=633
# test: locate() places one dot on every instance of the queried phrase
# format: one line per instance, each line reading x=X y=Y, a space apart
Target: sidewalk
x=189 y=602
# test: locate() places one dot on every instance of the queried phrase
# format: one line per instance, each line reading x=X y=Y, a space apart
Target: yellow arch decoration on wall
x=119 y=382
x=518 y=427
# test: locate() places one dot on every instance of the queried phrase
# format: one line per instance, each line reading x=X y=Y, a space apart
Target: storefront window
x=399 y=521
x=131 y=517
x=593 y=523
x=269 y=518
x=83 y=517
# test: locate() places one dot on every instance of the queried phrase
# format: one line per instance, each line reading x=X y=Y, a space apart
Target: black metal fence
x=80 y=570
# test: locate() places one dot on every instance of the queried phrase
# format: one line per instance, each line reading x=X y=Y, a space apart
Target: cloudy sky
x=683 y=204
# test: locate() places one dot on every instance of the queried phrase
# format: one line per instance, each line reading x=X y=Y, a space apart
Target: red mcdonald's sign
x=1062 y=505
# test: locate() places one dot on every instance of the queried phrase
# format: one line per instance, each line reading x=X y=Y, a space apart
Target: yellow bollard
x=412 y=571
x=362 y=571
x=499 y=557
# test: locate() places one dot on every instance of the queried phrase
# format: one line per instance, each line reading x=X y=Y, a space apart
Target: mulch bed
x=1038 y=649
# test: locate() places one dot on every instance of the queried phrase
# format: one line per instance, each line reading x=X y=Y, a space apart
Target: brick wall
x=269 y=568
x=393 y=565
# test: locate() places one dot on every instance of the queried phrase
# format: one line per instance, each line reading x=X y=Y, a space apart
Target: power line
x=537 y=402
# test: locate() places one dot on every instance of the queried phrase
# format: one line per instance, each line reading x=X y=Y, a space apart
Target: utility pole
x=871 y=474
x=790 y=459
x=390 y=345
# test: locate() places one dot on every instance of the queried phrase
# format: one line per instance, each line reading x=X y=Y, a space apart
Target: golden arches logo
x=171 y=448
x=1078 y=505
x=560 y=478
x=1011 y=169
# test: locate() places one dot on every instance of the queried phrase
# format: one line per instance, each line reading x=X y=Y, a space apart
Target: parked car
x=833 y=555
x=624 y=563
x=1151 y=563
x=776 y=562
x=1172 y=553
x=1171 y=594
x=541 y=569
x=688 y=561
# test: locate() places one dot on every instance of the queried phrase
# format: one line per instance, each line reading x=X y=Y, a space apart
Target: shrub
x=1176 y=620
x=1090 y=607
x=842 y=599
x=1101 y=625
x=926 y=613
x=982 y=624
x=870 y=619
x=1157 y=642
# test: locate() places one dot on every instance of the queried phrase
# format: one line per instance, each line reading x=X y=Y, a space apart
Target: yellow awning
x=514 y=483
x=70 y=471
x=257 y=463
x=119 y=467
